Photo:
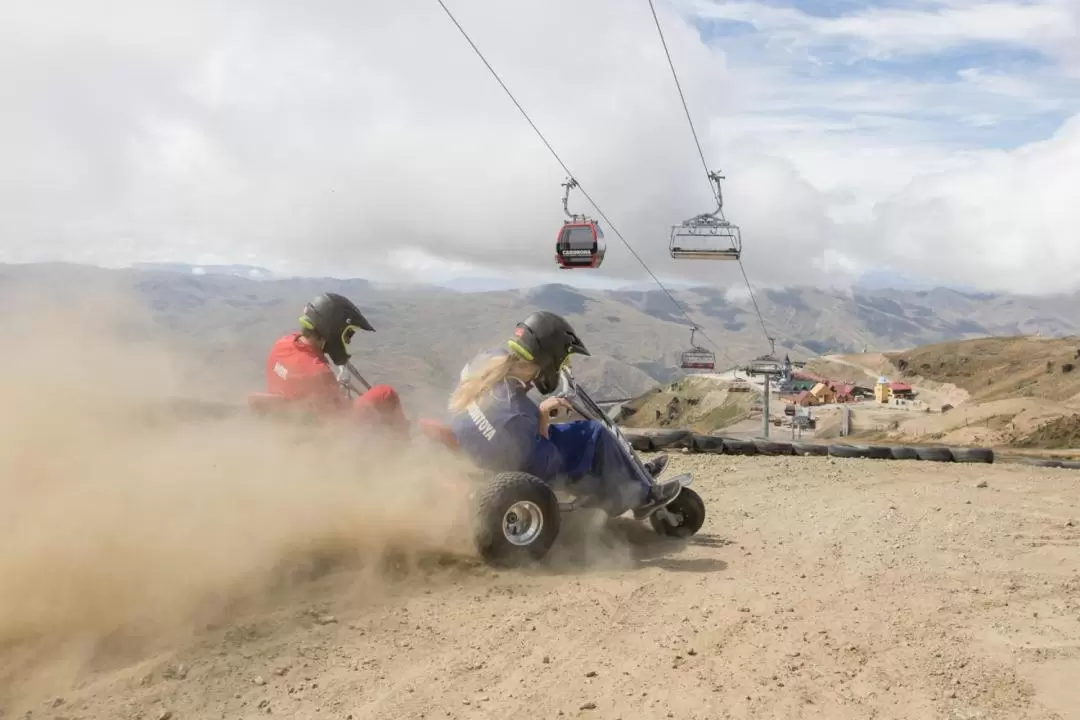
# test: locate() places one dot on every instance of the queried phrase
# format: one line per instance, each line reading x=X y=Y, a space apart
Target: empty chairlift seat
x=703 y=240
x=698 y=359
x=708 y=236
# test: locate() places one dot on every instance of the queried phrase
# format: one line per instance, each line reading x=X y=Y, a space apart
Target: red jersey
x=298 y=371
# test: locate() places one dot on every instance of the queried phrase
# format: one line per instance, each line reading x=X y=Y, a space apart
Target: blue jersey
x=500 y=431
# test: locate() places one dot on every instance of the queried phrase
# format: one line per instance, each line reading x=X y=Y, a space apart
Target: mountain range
x=424 y=334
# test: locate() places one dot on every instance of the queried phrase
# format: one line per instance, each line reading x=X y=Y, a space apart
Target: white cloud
x=366 y=138
x=923 y=27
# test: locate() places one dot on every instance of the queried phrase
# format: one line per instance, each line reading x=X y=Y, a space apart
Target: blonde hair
x=496 y=370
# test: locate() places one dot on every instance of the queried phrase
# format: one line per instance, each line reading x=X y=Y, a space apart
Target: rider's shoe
x=659 y=496
x=656 y=466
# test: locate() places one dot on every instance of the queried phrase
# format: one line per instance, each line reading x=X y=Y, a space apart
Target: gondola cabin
x=698 y=359
x=580 y=245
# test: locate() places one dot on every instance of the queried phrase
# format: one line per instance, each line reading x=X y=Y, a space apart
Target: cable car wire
x=761 y=319
x=705 y=164
x=584 y=192
x=686 y=108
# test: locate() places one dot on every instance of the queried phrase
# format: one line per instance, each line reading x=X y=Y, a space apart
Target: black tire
x=686 y=442
x=735 y=446
x=972 y=455
x=638 y=441
x=692 y=509
x=804 y=448
x=934 y=453
x=903 y=452
x=708 y=444
x=493 y=505
x=663 y=439
x=848 y=451
x=1038 y=462
x=772 y=447
x=879 y=452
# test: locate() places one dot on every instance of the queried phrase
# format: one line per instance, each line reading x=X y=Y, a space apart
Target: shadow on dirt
x=591 y=542
x=588 y=542
x=681 y=564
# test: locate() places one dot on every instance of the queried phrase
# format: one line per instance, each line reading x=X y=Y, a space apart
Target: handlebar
x=347 y=374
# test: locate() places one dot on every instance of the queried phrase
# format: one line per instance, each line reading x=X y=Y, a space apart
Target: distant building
x=885 y=391
x=844 y=393
x=862 y=393
x=795 y=387
x=805 y=399
x=824 y=393
x=901 y=391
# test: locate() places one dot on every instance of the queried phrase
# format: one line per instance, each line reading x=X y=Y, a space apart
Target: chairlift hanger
x=580 y=242
x=697 y=357
x=707 y=236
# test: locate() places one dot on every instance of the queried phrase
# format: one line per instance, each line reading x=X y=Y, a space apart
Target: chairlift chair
x=708 y=236
x=765 y=365
x=697 y=358
x=580 y=243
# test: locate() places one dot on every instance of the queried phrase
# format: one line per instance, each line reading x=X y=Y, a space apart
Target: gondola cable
x=710 y=176
x=577 y=183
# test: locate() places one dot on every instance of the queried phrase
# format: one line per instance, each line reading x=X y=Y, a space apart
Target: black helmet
x=336 y=319
x=547 y=340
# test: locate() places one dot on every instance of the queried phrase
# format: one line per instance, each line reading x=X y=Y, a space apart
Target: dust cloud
x=118 y=515
x=142 y=502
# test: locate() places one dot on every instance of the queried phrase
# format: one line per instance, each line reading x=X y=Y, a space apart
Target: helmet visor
x=347 y=336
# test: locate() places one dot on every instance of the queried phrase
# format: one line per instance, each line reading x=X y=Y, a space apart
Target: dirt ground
x=818 y=588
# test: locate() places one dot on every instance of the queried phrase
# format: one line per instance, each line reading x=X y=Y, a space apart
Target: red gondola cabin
x=580 y=244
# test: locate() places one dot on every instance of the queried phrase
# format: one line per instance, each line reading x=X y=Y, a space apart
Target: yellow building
x=885 y=391
x=882 y=393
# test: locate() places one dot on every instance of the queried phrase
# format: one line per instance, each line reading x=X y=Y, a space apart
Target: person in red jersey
x=297 y=369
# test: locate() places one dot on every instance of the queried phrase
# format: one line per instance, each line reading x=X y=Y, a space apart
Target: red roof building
x=844 y=392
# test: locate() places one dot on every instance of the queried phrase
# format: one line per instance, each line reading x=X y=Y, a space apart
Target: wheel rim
x=672 y=518
x=522 y=523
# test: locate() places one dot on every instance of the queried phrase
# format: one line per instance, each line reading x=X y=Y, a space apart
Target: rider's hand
x=553 y=403
x=547 y=407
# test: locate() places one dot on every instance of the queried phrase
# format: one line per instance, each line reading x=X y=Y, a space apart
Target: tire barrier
x=934 y=453
x=812 y=449
x=772 y=447
x=647 y=440
x=1040 y=462
x=708 y=444
x=972 y=455
x=735 y=446
x=658 y=439
x=903 y=452
x=848 y=451
x=879 y=452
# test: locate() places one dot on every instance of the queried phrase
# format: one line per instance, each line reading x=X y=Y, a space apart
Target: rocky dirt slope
x=818 y=588
x=1019 y=392
x=698 y=403
x=997 y=368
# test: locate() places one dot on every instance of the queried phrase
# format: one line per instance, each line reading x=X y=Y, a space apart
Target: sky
x=936 y=139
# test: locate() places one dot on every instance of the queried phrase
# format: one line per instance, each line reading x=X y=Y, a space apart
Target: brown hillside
x=1057 y=434
x=998 y=368
x=700 y=404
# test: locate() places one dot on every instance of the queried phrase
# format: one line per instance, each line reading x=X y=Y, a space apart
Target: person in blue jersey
x=501 y=429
